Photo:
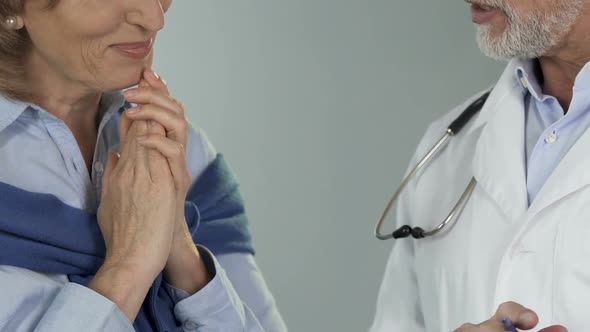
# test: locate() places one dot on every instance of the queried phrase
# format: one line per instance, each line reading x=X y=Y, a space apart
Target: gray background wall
x=318 y=105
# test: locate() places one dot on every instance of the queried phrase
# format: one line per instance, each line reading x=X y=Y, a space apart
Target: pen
x=509 y=325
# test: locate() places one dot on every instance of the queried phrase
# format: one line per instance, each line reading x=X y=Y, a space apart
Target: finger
x=153 y=126
x=141 y=161
x=124 y=125
x=467 y=327
x=174 y=153
x=176 y=127
x=489 y=325
x=150 y=95
x=156 y=160
x=125 y=122
x=522 y=317
x=150 y=162
x=554 y=328
x=129 y=146
x=155 y=81
x=112 y=161
x=159 y=167
x=156 y=128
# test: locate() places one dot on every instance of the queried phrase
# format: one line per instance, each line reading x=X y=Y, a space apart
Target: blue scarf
x=40 y=233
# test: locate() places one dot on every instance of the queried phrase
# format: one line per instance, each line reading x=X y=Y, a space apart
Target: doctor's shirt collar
x=530 y=77
x=528 y=74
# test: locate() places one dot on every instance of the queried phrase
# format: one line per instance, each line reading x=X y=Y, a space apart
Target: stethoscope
x=417 y=232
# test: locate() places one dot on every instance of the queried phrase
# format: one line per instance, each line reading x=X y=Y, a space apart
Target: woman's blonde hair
x=13 y=48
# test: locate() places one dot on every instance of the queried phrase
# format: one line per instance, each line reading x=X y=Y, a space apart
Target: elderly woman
x=99 y=214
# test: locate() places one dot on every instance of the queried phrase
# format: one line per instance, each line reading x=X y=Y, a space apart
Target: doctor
x=520 y=249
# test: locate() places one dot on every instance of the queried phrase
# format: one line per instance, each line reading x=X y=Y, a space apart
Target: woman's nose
x=147 y=14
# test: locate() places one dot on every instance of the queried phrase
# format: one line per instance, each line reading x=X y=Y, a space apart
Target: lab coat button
x=519 y=250
x=551 y=138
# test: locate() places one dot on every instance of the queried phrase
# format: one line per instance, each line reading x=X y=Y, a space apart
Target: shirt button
x=551 y=138
x=98 y=167
x=190 y=325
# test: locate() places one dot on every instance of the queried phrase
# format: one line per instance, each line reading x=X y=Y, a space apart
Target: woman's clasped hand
x=141 y=215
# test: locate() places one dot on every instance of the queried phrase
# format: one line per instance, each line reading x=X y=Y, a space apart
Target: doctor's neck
x=563 y=64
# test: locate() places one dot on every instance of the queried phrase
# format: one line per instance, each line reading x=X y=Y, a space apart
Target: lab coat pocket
x=571 y=291
x=576 y=237
x=572 y=249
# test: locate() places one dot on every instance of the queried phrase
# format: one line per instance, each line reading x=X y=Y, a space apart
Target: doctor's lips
x=481 y=13
x=138 y=50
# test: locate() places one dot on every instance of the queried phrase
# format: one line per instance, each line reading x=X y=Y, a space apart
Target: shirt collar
x=582 y=82
x=12 y=109
x=112 y=102
x=529 y=76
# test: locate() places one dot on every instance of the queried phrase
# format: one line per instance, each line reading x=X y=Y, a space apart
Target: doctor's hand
x=168 y=135
x=523 y=319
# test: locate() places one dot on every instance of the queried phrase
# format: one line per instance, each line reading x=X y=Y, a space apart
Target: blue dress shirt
x=550 y=132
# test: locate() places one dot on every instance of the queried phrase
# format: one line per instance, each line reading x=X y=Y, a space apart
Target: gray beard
x=530 y=35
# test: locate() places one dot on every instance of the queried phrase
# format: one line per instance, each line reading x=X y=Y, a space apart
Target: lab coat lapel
x=499 y=163
x=571 y=174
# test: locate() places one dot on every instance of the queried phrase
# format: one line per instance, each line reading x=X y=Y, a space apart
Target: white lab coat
x=500 y=249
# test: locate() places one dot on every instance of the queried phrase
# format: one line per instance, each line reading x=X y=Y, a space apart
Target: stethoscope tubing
x=421 y=164
x=416 y=232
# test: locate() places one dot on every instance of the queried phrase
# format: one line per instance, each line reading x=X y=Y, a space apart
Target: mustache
x=497 y=4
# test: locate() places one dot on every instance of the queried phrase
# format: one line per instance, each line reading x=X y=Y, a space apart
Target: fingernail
x=154 y=75
x=133 y=110
x=130 y=93
x=527 y=317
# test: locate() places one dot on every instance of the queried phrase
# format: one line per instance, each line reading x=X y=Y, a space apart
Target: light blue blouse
x=39 y=153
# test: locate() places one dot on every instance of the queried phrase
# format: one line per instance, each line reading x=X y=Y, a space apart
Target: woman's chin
x=124 y=82
x=124 y=75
